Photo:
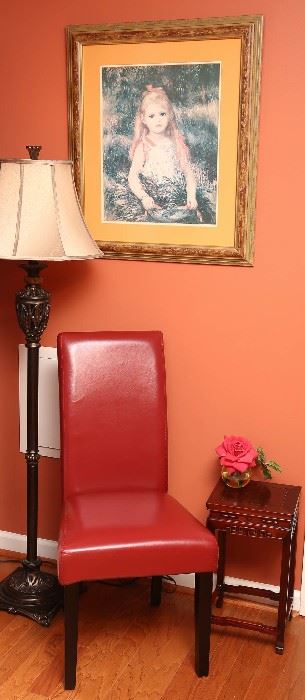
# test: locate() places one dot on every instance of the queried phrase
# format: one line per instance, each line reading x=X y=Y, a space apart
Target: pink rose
x=236 y=453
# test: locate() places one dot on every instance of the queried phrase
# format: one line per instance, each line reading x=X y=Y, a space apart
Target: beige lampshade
x=40 y=216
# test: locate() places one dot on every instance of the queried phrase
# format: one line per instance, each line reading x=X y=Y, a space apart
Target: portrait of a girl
x=161 y=167
x=161 y=174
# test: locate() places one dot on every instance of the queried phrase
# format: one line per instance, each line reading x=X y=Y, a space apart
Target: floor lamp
x=40 y=221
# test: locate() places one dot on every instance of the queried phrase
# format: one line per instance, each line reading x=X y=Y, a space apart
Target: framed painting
x=163 y=131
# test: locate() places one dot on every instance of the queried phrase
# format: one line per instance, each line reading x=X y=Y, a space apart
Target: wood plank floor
x=130 y=651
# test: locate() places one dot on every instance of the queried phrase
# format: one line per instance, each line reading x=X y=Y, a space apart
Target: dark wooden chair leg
x=155 y=590
x=71 y=593
x=203 y=605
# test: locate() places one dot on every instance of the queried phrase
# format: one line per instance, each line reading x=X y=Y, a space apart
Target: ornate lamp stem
x=33 y=308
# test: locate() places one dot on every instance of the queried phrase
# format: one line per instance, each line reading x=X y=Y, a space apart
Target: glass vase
x=236 y=480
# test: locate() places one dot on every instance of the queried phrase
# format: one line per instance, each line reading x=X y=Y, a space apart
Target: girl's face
x=155 y=116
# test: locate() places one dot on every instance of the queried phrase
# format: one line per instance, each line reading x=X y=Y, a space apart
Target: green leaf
x=274 y=465
x=266 y=472
x=266 y=466
x=260 y=459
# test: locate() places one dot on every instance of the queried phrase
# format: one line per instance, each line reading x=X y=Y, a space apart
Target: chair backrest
x=112 y=411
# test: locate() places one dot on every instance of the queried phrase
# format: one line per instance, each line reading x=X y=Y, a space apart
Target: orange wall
x=234 y=336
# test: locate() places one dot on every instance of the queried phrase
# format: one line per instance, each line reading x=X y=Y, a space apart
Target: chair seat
x=125 y=534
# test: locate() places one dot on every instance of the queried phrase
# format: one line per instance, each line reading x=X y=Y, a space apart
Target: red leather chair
x=118 y=520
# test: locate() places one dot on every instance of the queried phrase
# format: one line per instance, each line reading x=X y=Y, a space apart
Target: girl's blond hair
x=158 y=94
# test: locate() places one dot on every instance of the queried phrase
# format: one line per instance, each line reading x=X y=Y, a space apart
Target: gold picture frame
x=209 y=71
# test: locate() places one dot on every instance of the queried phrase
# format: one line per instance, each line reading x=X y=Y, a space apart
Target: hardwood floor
x=131 y=651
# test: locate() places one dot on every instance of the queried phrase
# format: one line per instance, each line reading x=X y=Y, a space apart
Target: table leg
x=221 y=568
x=284 y=582
x=291 y=572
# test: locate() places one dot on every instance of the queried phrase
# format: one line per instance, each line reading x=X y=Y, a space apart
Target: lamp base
x=32 y=593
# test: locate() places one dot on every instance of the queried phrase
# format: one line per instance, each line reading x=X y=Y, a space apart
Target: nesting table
x=262 y=511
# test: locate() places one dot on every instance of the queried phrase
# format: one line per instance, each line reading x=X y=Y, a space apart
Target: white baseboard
x=188 y=580
x=14 y=542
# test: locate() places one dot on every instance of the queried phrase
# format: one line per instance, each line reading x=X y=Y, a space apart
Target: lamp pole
x=28 y=590
x=33 y=308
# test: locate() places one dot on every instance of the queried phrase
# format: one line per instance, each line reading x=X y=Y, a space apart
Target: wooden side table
x=265 y=511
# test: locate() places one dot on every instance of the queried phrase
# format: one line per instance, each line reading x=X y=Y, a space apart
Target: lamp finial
x=34 y=152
